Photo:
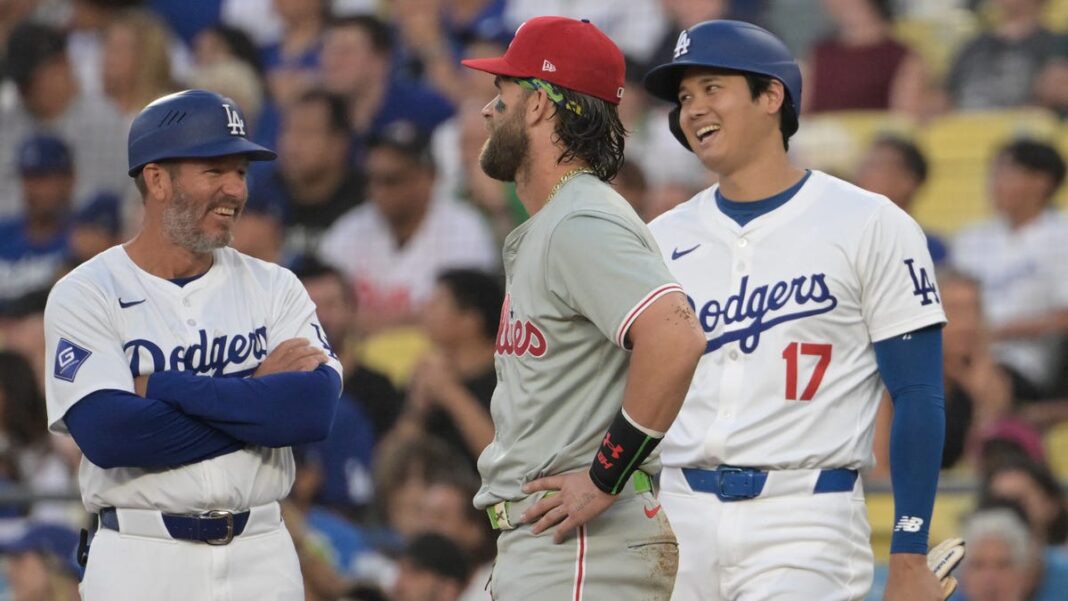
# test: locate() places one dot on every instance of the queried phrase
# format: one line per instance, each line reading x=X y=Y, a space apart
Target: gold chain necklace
x=570 y=175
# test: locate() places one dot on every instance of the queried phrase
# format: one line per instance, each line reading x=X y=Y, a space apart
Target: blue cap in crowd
x=103 y=212
x=44 y=155
x=50 y=540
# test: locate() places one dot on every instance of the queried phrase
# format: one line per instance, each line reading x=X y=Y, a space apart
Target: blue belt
x=214 y=527
x=740 y=483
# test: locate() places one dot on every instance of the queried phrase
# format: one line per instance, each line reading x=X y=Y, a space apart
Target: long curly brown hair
x=592 y=133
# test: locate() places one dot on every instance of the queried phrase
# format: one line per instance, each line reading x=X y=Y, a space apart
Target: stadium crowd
x=378 y=204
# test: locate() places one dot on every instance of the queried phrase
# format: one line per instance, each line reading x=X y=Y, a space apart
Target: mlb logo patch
x=69 y=359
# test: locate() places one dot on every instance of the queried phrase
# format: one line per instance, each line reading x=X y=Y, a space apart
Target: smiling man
x=813 y=294
x=148 y=349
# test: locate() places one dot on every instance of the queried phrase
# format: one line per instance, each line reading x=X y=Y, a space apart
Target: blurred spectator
x=1021 y=261
x=136 y=61
x=631 y=185
x=228 y=62
x=672 y=173
x=1007 y=442
x=457 y=144
x=393 y=247
x=357 y=65
x=1004 y=560
x=335 y=306
x=258 y=18
x=861 y=66
x=434 y=35
x=432 y=568
x=979 y=392
x=636 y=26
x=1032 y=485
x=403 y=472
x=41 y=564
x=447 y=510
x=330 y=546
x=34 y=246
x=896 y=168
x=221 y=43
x=343 y=463
x=292 y=63
x=40 y=461
x=312 y=183
x=49 y=101
x=95 y=228
x=999 y=67
x=451 y=389
x=259 y=233
x=322 y=576
x=680 y=15
x=235 y=79
x=1000 y=557
x=84 y=22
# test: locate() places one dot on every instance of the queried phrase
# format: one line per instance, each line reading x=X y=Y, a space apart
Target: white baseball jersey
x=108 y=321
x=401 y=278
x=1024 y=275
x=791 y=304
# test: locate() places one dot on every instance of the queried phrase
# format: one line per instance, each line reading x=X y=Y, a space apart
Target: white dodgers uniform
x=791 y=304
x=107 y=322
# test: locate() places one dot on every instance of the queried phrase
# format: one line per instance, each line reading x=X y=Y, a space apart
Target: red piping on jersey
x=640 y=307
x=580 y=567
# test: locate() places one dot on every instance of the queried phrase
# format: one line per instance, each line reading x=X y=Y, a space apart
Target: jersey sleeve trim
x=633 y=314
x=910 y=325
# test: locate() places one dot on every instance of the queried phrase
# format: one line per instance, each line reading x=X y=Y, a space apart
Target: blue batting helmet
x=190 y=124
x=733 y=45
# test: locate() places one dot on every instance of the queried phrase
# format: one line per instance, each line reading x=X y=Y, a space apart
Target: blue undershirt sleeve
x=911 y=368
x=277 y=410
x=115 y=428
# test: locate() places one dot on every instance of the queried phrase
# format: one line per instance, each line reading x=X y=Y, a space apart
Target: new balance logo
x=234 y=121
x=548 y=67
x=908 y=524
x=682 y=46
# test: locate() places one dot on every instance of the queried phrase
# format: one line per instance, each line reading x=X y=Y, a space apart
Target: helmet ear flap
x=676 y=127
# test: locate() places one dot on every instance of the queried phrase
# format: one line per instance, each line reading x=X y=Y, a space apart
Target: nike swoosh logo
x=125 y=305
x=651 y=513
x=677 y=254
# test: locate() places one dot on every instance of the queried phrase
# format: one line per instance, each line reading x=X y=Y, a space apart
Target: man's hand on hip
x=577 y=502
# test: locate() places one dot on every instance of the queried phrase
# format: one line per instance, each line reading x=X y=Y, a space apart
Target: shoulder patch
x=69 y=359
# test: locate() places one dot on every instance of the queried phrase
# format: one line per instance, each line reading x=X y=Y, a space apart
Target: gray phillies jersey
x=579 y=272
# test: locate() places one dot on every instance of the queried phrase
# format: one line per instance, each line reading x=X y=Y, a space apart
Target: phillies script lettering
x=518 y=337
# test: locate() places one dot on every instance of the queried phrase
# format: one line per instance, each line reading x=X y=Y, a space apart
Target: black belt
x=214 y=527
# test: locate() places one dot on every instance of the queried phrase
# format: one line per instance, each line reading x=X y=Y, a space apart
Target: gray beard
x=180 y=224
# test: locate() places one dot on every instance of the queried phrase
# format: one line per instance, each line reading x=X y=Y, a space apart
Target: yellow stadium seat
x=949 y=509
x=835 y=141
x=1056 y=441
x=1055 y=15
x=394 y=352
x=959 y=147
x=937 y=38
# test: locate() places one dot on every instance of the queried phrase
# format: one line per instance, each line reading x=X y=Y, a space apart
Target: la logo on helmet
x=234 y=121
x=683 y=45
